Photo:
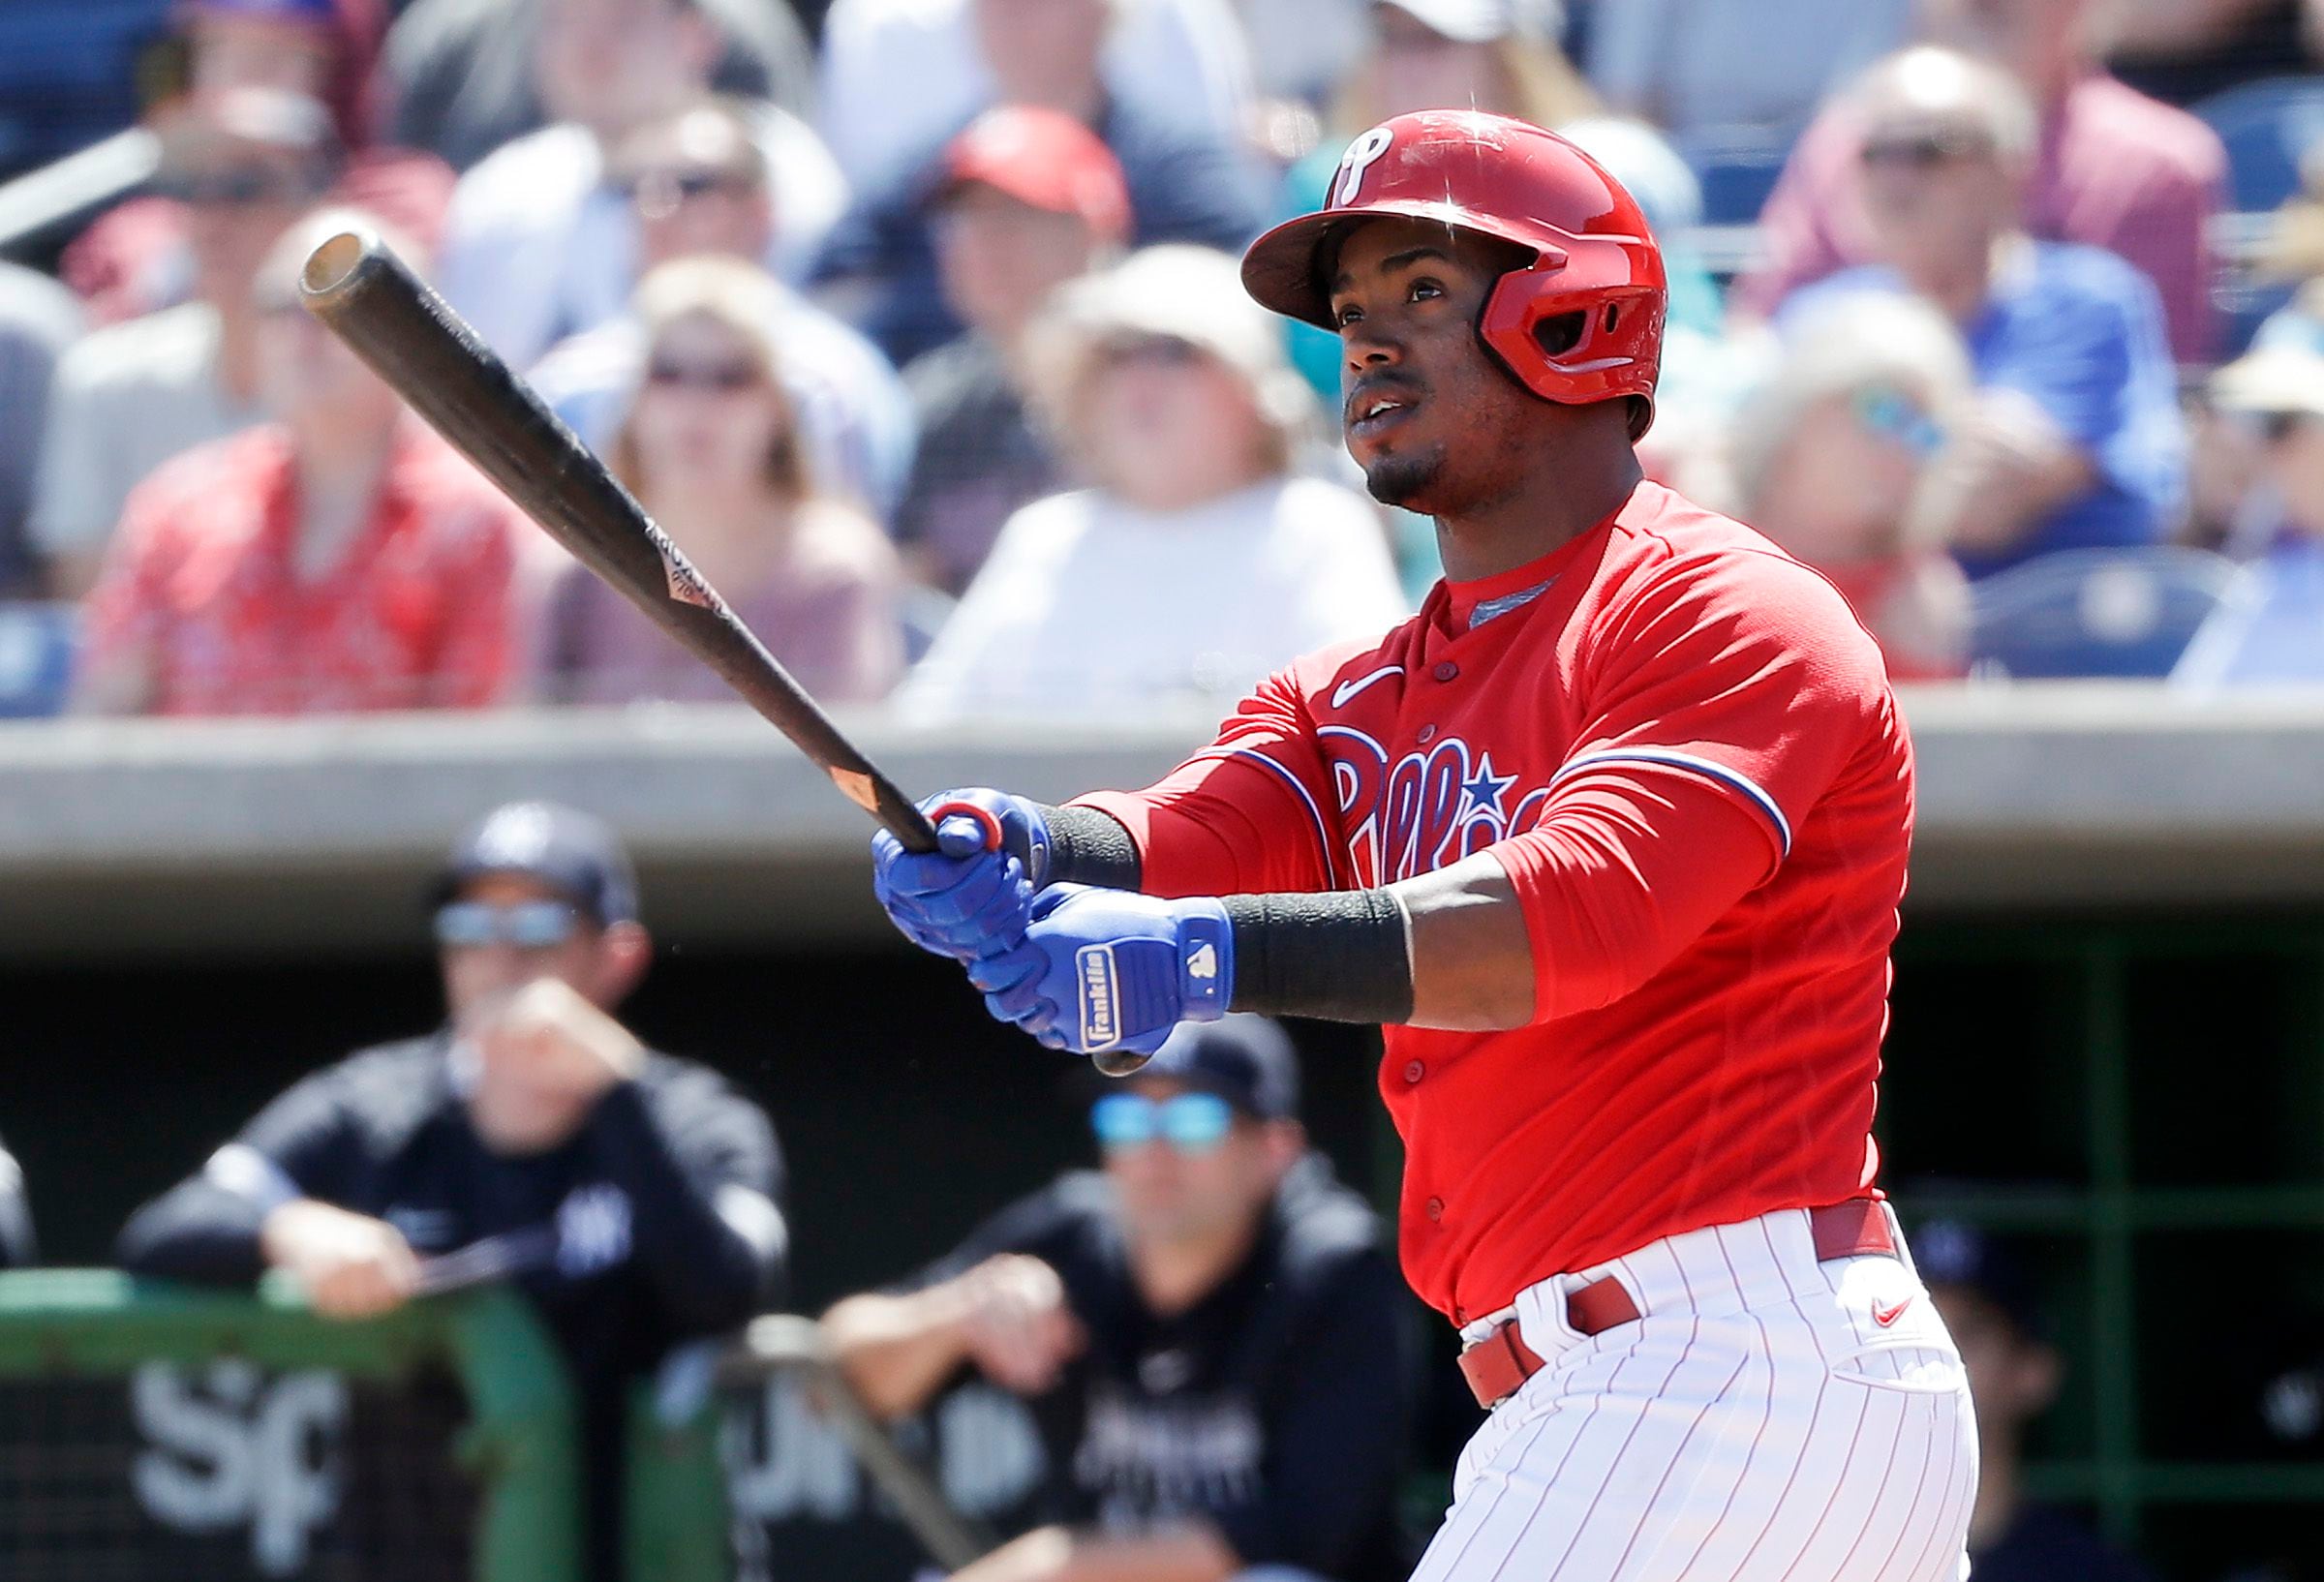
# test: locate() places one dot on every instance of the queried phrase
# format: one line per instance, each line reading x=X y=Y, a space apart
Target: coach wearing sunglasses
x=1211 y=1336
x=630 y=1196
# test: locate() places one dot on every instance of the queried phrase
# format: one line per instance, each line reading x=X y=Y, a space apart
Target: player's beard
x=1397 y=480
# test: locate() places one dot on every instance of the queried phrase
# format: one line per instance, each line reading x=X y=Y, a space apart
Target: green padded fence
x=519 y=1442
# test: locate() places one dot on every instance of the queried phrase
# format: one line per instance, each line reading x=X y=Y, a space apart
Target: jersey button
x=1414 y=1071
x=1447 y=671
x=1434 y=1208
x=1424 y=735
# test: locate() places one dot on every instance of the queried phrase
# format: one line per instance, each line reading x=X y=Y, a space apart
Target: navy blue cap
x=567 y=849
x=1244 y=1059
x=1956 y=1252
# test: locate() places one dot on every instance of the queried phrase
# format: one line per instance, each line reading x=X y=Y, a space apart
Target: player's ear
x=1286 y=1144
x=624 y=950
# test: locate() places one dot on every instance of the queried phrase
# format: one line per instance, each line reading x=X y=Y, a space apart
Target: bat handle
x=988 y=822
x=1111 y=1062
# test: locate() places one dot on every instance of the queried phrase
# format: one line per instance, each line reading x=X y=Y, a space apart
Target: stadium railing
x=156 y=1430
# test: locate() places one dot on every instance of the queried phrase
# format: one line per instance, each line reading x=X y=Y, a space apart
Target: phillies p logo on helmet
x=1360 y=158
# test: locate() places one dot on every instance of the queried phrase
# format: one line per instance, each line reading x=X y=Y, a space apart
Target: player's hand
x=349 y=1266
x=966 y=899
x=1014 y=1324
x=545 y=1056
x=1110 y=969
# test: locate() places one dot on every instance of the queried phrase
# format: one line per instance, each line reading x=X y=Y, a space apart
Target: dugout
x=2108 y=1033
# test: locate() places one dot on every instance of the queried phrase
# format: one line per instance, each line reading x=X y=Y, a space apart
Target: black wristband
x=1342 y=955
x=1089 y=847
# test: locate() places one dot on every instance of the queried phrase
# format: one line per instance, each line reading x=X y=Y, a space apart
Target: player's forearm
x=1445 y=950
x=899 y=1351
x=197 y=1231
x=1091 y=847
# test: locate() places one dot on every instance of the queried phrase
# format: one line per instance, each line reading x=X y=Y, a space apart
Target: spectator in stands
x=698 y=185
x=1197 y=561
x=341 y=558
x=1722 y=74
x=900 y=77
x=133 y=261
x=1184 y=187
x=630 y=1196
x=1031 y=200
x=1830 y=456
x=2110 y=167
x=2292 y=253
x=18 y=1249
x=459 y=75
x=2013 y=1376
x=129 y=397
x=1197 y=1315
x=38 y=320
x=2275 y=632
x=1496 y=56
x=541 y=243
x=2075 y=440
x=1302 y=49
x=712 y=447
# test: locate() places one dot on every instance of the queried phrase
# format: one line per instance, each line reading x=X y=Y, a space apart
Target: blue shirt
x=2272 y=636
x=2081 y=333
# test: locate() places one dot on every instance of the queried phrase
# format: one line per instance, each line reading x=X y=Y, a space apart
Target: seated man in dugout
x=532 y=1136
x=1206 y=1330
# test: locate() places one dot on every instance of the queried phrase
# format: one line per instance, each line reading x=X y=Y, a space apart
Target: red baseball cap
x=1045 y=159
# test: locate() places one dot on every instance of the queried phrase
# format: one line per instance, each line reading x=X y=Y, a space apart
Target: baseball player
x=630 y=1196
x=1610 y=838
x=1185 y=1322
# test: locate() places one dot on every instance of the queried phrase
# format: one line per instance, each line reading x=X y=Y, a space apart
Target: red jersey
x=1682 y=748
x=416 y=614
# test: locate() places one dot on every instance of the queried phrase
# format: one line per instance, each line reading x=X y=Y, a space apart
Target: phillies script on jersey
x=1682 y=748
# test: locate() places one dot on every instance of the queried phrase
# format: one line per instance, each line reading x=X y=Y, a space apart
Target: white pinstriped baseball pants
x=1756 y=1424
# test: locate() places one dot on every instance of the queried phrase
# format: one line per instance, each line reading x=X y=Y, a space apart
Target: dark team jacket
x=1277 y=1406
x=653 y=1225
x=644 y=1252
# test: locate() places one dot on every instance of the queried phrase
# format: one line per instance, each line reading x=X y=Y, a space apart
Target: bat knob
x=988 y=822
x=1120 y=1062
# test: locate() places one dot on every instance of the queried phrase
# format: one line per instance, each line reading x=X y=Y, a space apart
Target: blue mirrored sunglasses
x=1895 y=415
x=1189 y=1122
x=528 y=925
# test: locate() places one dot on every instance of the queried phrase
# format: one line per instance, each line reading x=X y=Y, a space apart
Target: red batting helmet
x=1583 y=322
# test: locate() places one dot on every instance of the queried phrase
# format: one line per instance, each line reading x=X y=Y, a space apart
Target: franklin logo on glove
x=1101 y=1015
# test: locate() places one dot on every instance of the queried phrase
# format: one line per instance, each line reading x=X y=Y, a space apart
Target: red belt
x=1496 y=1365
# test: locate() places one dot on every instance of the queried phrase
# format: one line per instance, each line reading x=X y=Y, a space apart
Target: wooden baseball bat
x=410 y=337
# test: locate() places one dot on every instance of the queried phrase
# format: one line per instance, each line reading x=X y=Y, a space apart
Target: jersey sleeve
x=1727 y=706
x=702 y=1172
x=18 y=1249
x=304 y=1144
x=1750 y=673
x=1253 y=813
x=1051 y=1225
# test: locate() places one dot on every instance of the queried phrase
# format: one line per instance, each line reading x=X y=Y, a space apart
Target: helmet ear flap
x=1560 y=332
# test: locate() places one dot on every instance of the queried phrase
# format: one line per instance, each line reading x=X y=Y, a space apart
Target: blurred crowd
x=916 y=324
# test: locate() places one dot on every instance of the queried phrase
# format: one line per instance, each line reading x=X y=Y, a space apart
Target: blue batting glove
x=1110 y=969
x=968 y=897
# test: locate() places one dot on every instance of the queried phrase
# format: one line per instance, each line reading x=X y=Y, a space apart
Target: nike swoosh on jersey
x=1345 y=690
x=1886 y=1316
